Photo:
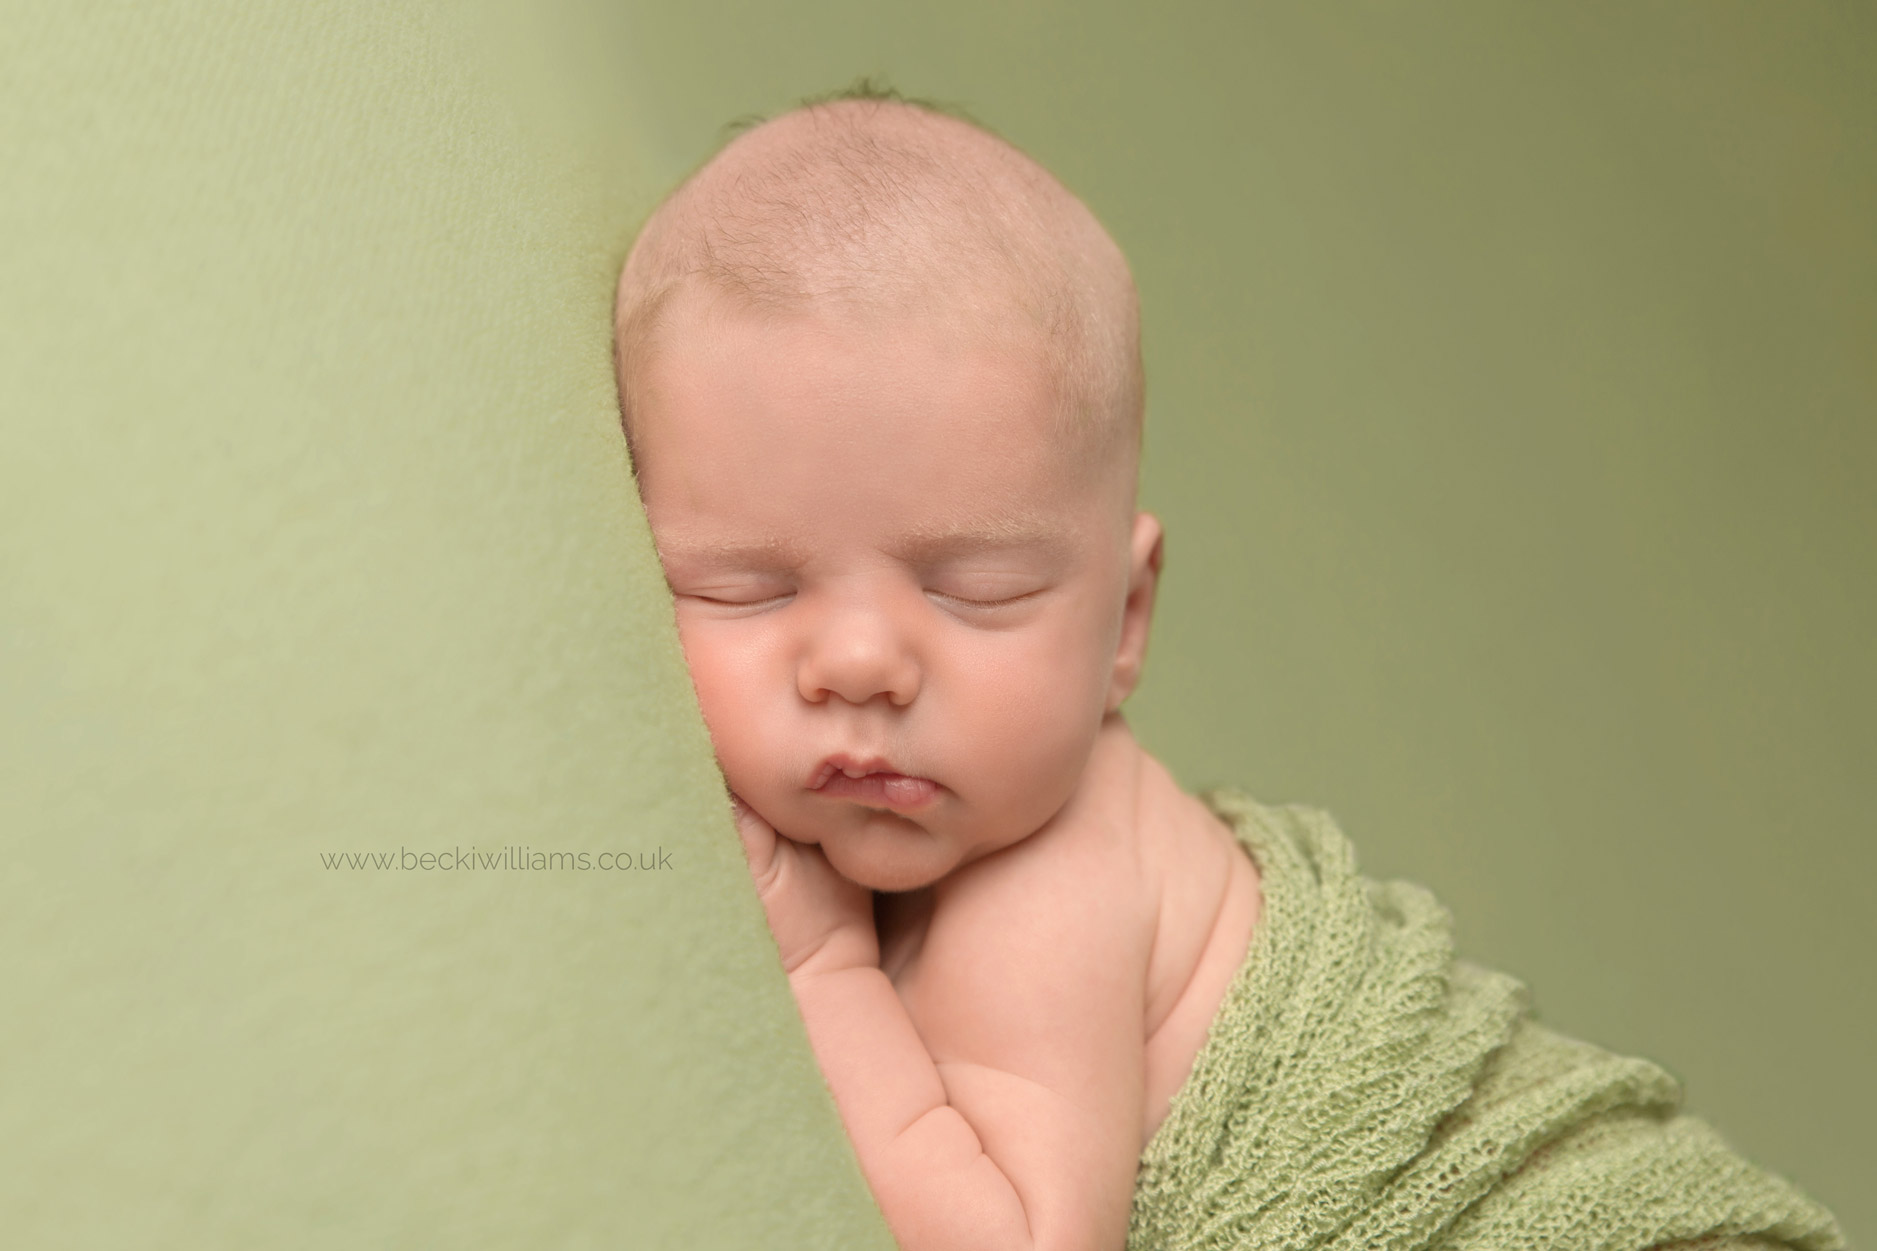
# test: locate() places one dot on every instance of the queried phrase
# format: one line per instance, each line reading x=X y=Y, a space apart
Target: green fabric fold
x=1361 y=1088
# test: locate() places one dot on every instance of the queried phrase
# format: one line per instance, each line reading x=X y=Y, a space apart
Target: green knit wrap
x=1362 y=1089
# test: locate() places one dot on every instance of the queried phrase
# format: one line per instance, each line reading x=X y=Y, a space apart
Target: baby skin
x=912 y=601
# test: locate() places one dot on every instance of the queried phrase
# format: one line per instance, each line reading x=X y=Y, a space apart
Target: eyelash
x=745 y=603
x=962 y=601
x=1005 y=602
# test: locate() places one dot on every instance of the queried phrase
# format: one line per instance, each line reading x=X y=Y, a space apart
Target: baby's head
x=880 y=374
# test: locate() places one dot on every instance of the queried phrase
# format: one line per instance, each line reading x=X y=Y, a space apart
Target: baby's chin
x=884 y=851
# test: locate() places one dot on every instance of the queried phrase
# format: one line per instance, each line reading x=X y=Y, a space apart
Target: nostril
x=858 y=671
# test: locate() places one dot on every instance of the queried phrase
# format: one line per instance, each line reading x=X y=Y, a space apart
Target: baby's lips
x=895 y=791
x=852 y=765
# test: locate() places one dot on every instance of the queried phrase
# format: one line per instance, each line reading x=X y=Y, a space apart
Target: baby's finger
x=759 y=838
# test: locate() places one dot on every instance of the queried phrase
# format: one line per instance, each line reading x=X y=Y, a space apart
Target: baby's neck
x=1124 y=786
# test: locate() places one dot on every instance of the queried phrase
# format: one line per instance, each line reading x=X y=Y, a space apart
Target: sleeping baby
x=884 y=396
x=881 y=381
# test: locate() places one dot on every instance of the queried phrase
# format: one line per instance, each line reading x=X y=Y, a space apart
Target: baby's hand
x=821 y=921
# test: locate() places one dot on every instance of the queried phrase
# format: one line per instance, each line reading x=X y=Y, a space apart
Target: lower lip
x=882 y=790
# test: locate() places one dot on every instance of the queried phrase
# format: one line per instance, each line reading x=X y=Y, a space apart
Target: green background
x=1511 y=412
x=317 y=536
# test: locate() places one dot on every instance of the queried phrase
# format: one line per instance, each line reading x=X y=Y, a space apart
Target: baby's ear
x=1145 y=551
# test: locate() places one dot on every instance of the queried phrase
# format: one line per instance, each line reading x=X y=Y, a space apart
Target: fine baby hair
x=867 y=205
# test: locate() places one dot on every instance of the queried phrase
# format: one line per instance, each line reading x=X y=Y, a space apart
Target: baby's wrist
x=846 y=949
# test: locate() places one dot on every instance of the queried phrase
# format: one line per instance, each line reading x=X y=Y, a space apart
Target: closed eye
x=751 y=601
x=981 y=602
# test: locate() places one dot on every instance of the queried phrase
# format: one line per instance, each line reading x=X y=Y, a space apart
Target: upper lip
x=853 y=766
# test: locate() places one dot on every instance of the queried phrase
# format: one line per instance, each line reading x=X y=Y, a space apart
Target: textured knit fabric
x=1361 y=1089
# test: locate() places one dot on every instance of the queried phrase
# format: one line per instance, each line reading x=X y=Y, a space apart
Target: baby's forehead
x=943 y=366
x=869 y=397
x=954 y=317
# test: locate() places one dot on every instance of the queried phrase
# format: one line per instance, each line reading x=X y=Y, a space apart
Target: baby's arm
x=1009 y=1115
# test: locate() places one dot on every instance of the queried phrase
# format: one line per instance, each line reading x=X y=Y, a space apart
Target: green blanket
x=1362 y=1088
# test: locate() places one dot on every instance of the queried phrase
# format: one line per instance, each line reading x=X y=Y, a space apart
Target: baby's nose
x=859 y=655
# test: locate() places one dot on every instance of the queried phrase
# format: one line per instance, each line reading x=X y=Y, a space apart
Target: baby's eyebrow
x=762 y=553
x=937 y=544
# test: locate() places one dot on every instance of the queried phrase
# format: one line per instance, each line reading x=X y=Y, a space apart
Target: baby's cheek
x=1040 y=718
x=726 y=694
